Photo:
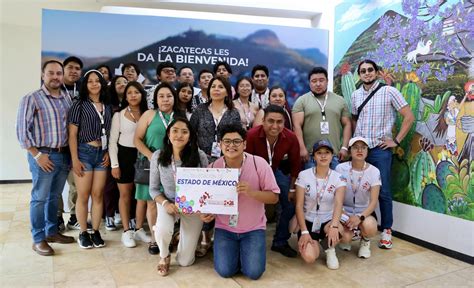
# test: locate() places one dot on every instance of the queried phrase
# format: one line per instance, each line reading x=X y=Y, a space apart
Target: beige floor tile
x=136 y=272
x=98 y=276
x=18 y=258
x=75 y=260
x=6 y=216
x=461 y=278
x=28 y=280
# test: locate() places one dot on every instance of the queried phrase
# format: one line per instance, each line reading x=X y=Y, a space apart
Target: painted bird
x=421 y=48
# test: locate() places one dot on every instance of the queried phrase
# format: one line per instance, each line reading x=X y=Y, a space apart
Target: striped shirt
x=42 y=119
x=377 y=118
x=89 y=121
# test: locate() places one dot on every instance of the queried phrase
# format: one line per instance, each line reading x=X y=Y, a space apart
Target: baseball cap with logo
x=322 y=144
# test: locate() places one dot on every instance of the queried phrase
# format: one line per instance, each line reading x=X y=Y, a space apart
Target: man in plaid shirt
x=375 y=123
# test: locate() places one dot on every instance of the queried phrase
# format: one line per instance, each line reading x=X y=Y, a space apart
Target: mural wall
x=425 y=50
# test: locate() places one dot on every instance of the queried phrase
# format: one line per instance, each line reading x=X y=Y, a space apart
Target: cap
x=322 y=143
x=358 y=138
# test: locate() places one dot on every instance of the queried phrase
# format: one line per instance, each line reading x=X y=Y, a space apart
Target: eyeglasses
x=369 y=70
x=168 y=71
x=235 y=142
x=359 y=148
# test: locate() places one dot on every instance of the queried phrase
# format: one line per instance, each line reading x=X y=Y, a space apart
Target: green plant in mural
x=400 y=175
x=436 y=107
x=347 y=83
x=423 y=171
x=433 y=199
x=442 y=171
x=412 y=94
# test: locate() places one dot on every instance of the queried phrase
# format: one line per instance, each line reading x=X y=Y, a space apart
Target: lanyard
x=164 y=120
x=323 y=106
x=101 y=117
x=320 y=193
x=217 y=120
x=289 y=118
x=73 y=92
x=354 y=189
x=246 y=113
x=271 y=151
x=131 y=114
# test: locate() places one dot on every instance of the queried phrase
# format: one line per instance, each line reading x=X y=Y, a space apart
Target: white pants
x=189 y=232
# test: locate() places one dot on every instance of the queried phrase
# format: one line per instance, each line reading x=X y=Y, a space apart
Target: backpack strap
x=359 y=109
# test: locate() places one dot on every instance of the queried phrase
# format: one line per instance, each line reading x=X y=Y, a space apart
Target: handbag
x=142 y=170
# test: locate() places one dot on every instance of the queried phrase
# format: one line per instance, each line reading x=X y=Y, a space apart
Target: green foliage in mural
x=423 y=170
x=412 y=94
x=442 y=171
x=400 y=176
x=433 y=199
x=347 y=83
x=436 y=107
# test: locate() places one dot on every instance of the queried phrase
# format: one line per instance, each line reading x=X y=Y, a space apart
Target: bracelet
x=292 y=190
x=334 y=227
x=396 y=141
x=37 y=156
x=164 y=202
x=344 y=148
x=304 y=232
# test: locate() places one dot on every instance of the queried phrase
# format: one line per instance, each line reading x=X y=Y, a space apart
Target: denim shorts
x=91 y=157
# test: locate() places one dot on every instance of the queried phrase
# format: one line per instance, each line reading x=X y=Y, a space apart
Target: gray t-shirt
x=160 y=175
x=335 y=109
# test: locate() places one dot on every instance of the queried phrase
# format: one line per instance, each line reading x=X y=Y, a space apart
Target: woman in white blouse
x=123 y=152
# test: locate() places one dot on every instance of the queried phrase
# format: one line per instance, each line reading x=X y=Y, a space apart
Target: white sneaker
x=117 y=219
x=127 y=239
x=364 y=249
x=345 y=246
x=386 y=239
x=331 y=259
x=140 y=235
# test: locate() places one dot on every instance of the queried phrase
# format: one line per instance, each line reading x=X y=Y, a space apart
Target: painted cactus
x=433 y=199
x=442 y=171
x=423 y=170
x=412 y=94
x=347 y=83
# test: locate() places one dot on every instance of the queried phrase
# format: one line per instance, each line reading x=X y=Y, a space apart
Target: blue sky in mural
x=354 y=16
x=126 y=32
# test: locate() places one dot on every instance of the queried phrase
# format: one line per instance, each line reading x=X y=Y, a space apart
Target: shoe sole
x=99 y=246
x=83 y=247
x=110 y=228
x=43 y=253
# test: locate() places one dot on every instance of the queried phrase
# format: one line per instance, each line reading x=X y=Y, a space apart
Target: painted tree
x=433 y=28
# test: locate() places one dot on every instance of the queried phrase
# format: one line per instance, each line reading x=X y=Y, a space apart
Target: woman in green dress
x=151 y=130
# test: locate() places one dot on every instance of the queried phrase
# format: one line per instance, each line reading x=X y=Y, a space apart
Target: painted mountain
x=288 y=66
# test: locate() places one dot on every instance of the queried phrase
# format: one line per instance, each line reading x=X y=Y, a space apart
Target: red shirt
x=286 y=148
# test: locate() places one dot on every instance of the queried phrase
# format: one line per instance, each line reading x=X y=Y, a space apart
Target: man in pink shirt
x=239 y=240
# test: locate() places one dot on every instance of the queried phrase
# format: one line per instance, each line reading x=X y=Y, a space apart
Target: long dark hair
x=84 y=92
x=228 y=99
x=237 y=94
x=143 y=103
x=173 y=91
x=178 y=90
x=112 y=95
x=189 y=155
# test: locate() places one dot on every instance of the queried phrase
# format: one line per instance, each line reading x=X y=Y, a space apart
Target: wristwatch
x=361 y=217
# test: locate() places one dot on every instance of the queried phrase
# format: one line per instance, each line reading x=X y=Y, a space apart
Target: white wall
x=20 y=59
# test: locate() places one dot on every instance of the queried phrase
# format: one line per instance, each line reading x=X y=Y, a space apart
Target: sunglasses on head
x=369 y=70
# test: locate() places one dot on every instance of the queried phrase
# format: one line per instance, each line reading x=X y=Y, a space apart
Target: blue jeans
x=47 y=188
x=287 y=210
x=245 y=252
x=91 y=156
x=310 y=163
x=382 y=159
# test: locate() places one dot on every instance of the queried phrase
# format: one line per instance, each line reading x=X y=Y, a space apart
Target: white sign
x=207 y=190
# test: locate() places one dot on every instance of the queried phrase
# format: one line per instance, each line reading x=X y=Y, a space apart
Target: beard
x=370 y=82
x=320 y=94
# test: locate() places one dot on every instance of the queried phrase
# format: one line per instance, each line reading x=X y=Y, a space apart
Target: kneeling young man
x=239 y=240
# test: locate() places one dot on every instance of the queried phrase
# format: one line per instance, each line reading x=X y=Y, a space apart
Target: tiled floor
x=116 y=266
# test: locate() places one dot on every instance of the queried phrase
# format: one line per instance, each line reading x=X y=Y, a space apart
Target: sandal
x=203 y=248
x=164 y=268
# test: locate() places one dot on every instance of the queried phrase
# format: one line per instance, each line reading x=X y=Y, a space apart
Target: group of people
x=325 y=163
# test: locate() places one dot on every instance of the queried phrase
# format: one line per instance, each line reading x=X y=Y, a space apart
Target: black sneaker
x=84 y=240
x=97 y=240
x=153 y=248
x=73 y=224
x=61 y=226
x=285 y=250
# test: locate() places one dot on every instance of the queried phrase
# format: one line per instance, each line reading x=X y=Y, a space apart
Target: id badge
x=233 y=220
x=216 y=150
x=324 y=127
x=316 y=225
x=103 y=139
